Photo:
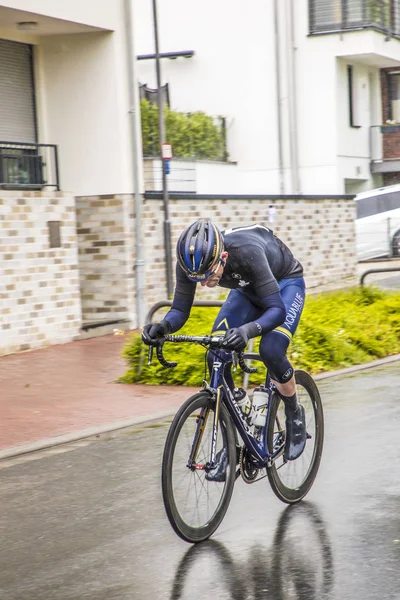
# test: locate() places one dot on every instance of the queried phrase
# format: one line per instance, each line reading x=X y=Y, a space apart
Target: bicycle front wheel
x=292 y=480
x=196 y=506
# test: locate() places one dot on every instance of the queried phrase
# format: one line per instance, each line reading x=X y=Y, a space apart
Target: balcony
x=28 y=166
x=385 y=148
x=367 y=31
x=334 y=16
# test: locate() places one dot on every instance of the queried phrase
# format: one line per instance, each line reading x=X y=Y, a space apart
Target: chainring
x=248 y=470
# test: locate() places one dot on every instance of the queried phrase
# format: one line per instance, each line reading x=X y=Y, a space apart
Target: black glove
x=154 y=331
x=238 y=337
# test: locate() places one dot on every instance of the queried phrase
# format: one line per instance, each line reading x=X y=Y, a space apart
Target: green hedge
x=337 y=329
x=192 y=135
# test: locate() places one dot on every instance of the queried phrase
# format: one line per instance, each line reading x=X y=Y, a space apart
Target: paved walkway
x=68 y=391
x=70 y=388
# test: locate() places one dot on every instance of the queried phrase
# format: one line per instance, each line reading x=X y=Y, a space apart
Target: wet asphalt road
x=86 y=521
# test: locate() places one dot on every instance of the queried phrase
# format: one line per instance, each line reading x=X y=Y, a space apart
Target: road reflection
x=297 y=566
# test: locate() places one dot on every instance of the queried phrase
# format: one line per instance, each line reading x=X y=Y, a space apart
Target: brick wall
x=105 y=239
x=40 y=298
x=39 y=293
x=320 y=232
x=391 y=144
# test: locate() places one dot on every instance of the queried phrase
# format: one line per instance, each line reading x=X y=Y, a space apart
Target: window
x=339 y=15
x=393 y=85
x=351 y=97
x=374 y=205
x=17 y=101
x=391 y=201
x=367 y=207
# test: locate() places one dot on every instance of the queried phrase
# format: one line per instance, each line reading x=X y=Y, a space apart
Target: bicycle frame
x=221 y=391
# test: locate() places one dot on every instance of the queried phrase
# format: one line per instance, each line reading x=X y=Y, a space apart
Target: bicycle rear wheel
x=292 y=480
x=195 y=506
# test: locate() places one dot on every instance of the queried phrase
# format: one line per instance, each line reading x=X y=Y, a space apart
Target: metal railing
x=326 y=16
x=28 y=166
x=165 y=303
x=383 y=270
x=181 y=177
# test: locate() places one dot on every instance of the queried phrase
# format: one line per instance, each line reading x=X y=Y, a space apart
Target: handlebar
x=204 y=340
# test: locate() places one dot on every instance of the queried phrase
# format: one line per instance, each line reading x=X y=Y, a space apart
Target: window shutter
x=17 y=105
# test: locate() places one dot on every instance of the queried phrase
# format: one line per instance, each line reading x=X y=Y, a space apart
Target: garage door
x=17 y=105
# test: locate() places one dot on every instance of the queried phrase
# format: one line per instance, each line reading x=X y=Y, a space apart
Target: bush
x=191 y=135
x=337 y=329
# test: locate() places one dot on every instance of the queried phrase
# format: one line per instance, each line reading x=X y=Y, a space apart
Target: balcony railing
x=331 y=16
x=28 y=166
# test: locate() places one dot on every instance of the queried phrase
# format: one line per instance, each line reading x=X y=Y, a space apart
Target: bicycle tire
x=281 y=473
x=175 y=470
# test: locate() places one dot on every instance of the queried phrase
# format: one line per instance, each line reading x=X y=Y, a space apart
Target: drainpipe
x=292 y=98
x=137 y=162
x=278 y=99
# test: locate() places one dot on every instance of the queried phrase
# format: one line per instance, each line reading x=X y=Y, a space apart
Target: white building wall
x=96 y=13
x=353 y=149
x=84 y=90
x=233 y=73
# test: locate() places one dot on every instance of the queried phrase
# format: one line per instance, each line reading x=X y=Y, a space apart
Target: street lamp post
x=161 y=128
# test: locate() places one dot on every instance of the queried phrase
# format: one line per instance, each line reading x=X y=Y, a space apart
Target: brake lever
x=235 y=360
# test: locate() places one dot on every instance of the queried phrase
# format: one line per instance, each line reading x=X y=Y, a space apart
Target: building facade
x=299 y=82
x=81 y=243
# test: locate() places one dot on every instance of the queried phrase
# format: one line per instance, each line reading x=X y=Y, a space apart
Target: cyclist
x=266 y=299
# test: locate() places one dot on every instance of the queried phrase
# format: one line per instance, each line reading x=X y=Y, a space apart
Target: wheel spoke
x=195 y=506
x=291 y=480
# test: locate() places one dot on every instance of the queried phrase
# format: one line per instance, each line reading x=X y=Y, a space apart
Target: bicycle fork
x=201 y=423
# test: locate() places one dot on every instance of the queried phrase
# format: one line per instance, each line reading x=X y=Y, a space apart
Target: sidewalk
x=69 y=391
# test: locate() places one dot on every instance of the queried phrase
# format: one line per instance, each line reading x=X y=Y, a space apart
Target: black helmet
x=199 y=249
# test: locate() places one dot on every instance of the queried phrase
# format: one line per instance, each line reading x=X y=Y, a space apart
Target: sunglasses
x=199 y=278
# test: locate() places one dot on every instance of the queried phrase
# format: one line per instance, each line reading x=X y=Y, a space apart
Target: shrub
x=337 y=329
x=191 y=135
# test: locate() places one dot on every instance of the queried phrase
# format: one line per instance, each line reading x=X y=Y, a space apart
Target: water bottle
x=243 y=401
x=260 y=401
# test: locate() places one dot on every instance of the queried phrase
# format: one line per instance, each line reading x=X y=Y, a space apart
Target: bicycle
x=194 y=440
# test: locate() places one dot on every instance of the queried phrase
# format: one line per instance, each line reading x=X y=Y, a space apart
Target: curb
x=82 y=434
x=119 y=425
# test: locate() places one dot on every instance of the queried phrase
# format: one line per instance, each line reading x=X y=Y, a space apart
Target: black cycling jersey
x=257 y=261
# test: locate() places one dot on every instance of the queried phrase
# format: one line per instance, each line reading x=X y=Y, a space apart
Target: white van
x=378 y=223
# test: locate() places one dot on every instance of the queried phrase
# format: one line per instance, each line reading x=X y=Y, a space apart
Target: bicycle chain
x=248 y=472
